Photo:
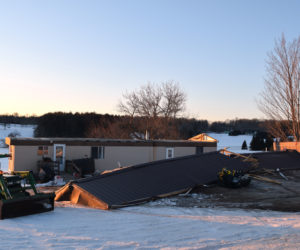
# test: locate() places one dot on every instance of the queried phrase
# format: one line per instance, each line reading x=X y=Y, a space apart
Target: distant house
x=203 y=138
x=107 y=153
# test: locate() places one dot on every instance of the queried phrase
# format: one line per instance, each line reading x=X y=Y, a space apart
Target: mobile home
x=107 y=153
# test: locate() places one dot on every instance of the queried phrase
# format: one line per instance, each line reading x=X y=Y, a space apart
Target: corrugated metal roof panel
x=149 y=180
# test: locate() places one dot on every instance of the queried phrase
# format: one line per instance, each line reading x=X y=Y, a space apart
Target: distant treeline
x=61 y=124
x=242 y=126
x=16 y=119
x=75 y=125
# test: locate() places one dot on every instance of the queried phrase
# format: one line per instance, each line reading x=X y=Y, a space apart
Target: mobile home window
x=43 y=150
x=169 y=153
x=97 y=152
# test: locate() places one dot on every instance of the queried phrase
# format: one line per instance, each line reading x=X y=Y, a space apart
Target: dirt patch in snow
x=258 y=195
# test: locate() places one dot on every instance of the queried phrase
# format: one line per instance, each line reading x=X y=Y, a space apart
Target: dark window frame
x=199 y=150
x=97 y=152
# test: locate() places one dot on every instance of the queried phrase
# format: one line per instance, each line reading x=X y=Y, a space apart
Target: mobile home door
x=60 y=155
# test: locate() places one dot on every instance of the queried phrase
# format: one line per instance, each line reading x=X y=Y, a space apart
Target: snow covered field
x=24 y=130
x=152 y=226
x=233 y=143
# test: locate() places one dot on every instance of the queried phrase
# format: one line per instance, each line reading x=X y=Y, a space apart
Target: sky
x=81 y=56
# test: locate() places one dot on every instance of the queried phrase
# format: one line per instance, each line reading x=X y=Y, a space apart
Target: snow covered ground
x=152 y=226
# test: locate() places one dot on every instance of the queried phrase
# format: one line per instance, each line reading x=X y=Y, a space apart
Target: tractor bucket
x=21 y=206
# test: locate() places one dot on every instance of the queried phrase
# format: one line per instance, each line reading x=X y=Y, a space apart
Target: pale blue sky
x=82 y=55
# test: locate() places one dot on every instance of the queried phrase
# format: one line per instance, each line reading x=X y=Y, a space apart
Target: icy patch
x=163 y=202
x=177 y=200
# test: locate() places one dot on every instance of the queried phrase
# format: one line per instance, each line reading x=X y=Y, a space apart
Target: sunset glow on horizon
x=80 y=56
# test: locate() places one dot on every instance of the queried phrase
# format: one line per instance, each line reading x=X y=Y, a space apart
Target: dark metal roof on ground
x=148 y=181
x=281 y=160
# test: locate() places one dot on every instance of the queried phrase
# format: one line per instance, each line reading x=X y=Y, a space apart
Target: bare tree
x=174 y=99
x=155 y=103
x=279 y=100
x=131 y=104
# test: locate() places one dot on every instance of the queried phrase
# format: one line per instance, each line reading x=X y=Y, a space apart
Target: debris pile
x=233 y=179
x=81 y=167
